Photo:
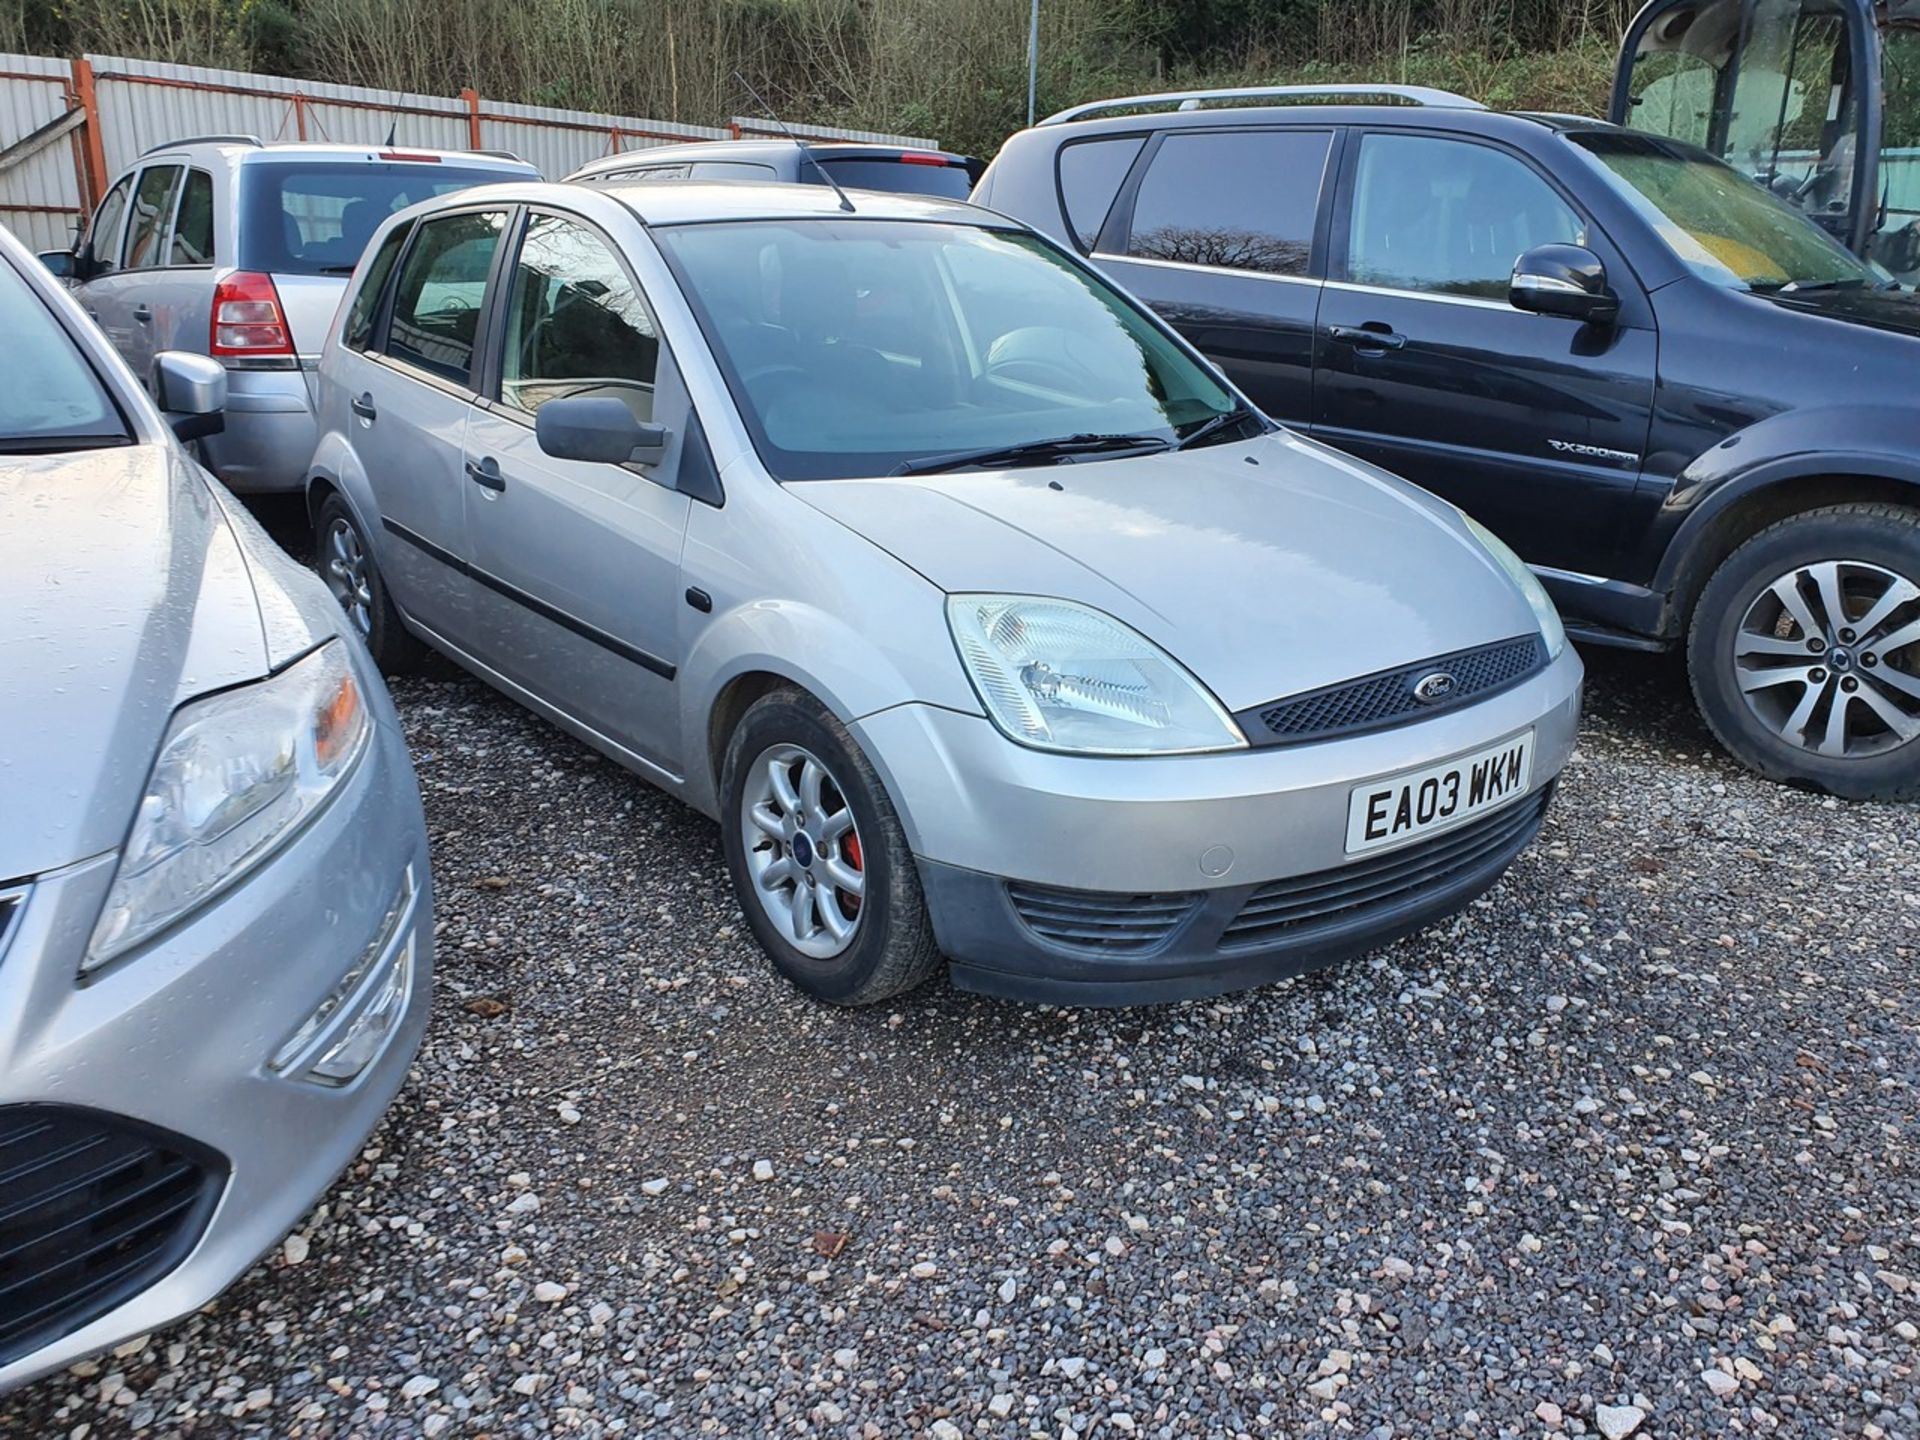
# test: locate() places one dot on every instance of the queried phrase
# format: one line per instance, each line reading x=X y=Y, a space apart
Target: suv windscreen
x=901 y=177
x=854 y=347
x=1722 y=226
x=53 y=400
x=309 y=217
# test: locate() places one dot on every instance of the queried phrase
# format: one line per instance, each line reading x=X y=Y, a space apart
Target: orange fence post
x=300 y=114
x=96 y=148
x=472 y=97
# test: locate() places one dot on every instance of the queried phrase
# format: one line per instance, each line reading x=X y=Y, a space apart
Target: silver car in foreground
x=237 y=248
x=986 y=617
x=215 y=925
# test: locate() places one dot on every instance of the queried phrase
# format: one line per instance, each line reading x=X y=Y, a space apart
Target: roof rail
x=502 y=155
x=253 y=140
x=1198 y=99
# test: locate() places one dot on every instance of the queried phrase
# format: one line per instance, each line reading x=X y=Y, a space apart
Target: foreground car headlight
x=1060 y=676
x=237 y=772
x=1551 y=630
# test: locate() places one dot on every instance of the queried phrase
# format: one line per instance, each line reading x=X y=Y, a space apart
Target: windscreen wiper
x=1034 y=452
x=1219 y=424
x=1809 y=287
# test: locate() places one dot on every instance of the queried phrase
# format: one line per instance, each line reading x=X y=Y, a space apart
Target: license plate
x=1402 y=807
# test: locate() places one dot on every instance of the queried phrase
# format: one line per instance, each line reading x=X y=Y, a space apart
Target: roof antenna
x=819 y=169
x=392 y=130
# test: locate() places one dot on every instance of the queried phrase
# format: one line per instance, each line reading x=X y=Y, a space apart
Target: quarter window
x=1448 y=217
x=152 y=210
x=576 y=324
x=358 y=333
x=102 y=246
x=1090 y=176
x=1233 y=199
x=442 y=287
x=193 y=226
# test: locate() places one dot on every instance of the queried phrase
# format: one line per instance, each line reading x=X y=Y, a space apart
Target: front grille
x=1299 y=906
x=1388 y=698
x=1099 y=921
x=92 y=1210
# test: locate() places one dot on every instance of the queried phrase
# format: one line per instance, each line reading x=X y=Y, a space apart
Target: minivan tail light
x=910 y=158
x=247 y=318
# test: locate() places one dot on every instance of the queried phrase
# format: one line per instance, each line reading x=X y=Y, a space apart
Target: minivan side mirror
x=191 y=391
x=598 y=428
x=1565 y=280
x=63 y=264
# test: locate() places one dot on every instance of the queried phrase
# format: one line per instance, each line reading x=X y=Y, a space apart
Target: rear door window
x=192 y=242
x=1091 y=172
x=153 y=201
x=1448 y=217
x=441 y=293
x=102 y=244
x=1232 y=199
x=315 y=217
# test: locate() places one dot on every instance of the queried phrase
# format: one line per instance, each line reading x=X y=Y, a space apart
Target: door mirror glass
x=1564 y=280
x=60 y=263
x=191 y=391
x=598 y=428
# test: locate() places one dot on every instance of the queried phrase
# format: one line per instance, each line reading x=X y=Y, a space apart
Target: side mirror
x=63 y=264
x=1564 y=280
x=191 y=391
x=598 y=428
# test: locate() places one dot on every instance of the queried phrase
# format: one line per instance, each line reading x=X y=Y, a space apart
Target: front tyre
x=1805 y=651
x=345 y=561
x=818 y=857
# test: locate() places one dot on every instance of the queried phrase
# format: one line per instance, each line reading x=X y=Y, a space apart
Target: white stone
x=523 y=1204
x=656 y=1186
x=763 y=1170
x=1155 y=1359
x=1072 y=1367
x=1008 y=1289
x=846 y=1359
x=547 y=1292
x=1000 y=1406
x=295 y=1249
x=944 y=1430
x=1616 y=1422
x=925 y=1270
x=419 y=1385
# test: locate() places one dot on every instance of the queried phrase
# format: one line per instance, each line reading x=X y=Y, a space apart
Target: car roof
x=1470 y=120
x=244 y=148
x=756 y=150
x=694 y=201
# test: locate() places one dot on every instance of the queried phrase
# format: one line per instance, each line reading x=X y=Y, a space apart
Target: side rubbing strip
x=534 y=603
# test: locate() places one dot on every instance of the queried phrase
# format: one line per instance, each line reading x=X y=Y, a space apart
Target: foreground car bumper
x=152 y=1150
x=1104 y=882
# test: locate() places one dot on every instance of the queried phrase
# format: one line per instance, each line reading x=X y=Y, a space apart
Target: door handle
x=362 y=405
x=142 y=314
x=486 y=474
x=1367 y=337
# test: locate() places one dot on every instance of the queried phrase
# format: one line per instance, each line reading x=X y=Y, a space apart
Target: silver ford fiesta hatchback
x=989 y=620
x=214 y=919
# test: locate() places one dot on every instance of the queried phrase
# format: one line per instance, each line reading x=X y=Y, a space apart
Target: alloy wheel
x=348 y=575
x=803 y=851
x=1828 y=658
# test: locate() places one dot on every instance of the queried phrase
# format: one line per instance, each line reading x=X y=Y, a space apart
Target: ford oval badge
x=1432 y=689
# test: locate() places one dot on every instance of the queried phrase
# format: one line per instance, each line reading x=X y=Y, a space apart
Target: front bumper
x=169 y=1048
x=1188 y=843
x=269 y=434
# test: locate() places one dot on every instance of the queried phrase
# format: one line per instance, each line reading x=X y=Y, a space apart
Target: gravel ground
x=1626 y=1148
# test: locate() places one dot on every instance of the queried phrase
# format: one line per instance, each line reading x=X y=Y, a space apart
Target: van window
x=1090 y=175
x=576 y=323
x=152 y=211
x=102 y=245
x=308 y=217
x=1233 y=199
x=193 y=225
x=442 y=287
x=898 y=177
x=358 y=333
x=1448 y=216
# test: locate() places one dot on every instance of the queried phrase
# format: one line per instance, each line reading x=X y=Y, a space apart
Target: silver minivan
x=986 y=617
x=229 y=247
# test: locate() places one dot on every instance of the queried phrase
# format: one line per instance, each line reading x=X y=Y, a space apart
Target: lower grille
x=1298 y=906
x=1390 y=698
x=93 y=1209
x=1098 y=921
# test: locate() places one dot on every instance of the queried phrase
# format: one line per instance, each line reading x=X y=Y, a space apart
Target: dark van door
x=1215 y=229
x=1533 y=424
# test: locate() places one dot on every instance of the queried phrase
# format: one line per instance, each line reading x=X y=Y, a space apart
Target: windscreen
x=52 y=400
x=853 y=347
x=1721 y=225
x=315 y=217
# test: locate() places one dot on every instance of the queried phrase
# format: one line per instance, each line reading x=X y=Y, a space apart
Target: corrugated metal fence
x=67 y=128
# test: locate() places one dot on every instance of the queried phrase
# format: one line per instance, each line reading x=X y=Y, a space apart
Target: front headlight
x=1551 y=630
x=237 y=772
x=1060 y=676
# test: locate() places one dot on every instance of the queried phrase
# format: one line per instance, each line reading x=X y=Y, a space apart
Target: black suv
x=1689 y=409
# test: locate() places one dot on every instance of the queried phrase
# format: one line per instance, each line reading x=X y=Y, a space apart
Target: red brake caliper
x=851 y=849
